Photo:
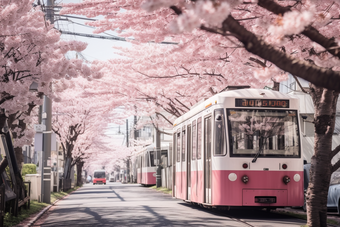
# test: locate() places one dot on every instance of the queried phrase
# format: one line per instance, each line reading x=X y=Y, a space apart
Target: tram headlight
x=232 y=177
x=245 y=179
x=284 y=166
x=297 y=177
x=245 y=165
x=286 y=179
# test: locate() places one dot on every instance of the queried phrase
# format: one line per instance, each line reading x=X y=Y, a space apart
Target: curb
x=40 y=214
x=47 y=208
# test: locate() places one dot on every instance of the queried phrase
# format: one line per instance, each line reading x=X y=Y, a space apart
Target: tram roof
x=151 y=147
x=99 y=170
x=240 y=93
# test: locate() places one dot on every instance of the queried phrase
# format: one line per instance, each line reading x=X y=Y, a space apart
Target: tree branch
x=182 y=104
x=312 y=73
x=157 y=113
x=312 y=33
x=335 y=151
x=298 y=82
x=336 y=166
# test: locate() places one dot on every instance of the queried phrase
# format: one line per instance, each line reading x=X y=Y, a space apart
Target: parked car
x=333 y=199
x=112 y=179
x=306 y=168
x=89 y=179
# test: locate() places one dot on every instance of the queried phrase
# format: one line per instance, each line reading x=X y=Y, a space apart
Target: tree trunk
x=79 y=171
x=67 y=168
x=3 y=119
x=321 y=167
x=276 y=86
x=19 y=156
x=21 y=126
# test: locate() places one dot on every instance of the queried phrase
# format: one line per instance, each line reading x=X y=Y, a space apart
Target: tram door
x=174 y=152
x=183 y=165
x=207 y=159
x=141 y=169
x=188 y=192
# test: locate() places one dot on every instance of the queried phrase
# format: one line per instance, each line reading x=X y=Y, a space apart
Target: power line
x=105 y=37
x=81 y=18
x=87 y=26
x=93 y=36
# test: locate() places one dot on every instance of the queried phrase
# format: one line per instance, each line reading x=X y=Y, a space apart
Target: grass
x=164 y=190
x=58 y=195
x=35 y=207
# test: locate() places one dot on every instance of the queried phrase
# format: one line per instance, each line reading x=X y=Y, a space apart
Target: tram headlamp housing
x=286 y=179
x=245 y=179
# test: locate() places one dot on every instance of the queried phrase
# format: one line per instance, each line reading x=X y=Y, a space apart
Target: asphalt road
x=117 y=204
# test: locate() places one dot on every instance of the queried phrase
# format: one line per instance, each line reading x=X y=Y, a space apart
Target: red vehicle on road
x=99 y=177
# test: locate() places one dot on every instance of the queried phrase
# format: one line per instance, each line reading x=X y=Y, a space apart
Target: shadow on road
x=133 y=205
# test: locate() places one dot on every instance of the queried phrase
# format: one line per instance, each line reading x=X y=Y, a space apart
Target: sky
x=98 y=49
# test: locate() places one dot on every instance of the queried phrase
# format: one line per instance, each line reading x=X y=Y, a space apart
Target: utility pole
x=135 y=135
x=127 y=145
x=135 y=128
x=127 y=133
x=47 y=120
x=158 y=159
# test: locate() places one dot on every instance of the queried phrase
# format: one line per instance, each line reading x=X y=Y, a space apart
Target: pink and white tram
x=145 y=164
x=240 y=148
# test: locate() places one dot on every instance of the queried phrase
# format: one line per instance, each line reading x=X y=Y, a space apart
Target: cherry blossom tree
x=85 y=148
x=78 y=121
x=269 y=38
x=31 y=52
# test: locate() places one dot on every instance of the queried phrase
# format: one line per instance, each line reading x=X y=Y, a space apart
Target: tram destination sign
x=264 y=103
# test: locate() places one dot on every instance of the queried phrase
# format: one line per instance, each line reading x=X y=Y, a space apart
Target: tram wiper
x=262 y=142
x=256 y=156
x=259 y=152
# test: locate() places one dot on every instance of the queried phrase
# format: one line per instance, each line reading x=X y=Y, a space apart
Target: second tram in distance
x=145 y=164
x=240 y=148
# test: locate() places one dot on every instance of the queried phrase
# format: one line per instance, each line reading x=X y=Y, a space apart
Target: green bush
x=28 y=169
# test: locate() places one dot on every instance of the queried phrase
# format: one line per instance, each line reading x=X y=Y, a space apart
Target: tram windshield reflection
x=263 y=133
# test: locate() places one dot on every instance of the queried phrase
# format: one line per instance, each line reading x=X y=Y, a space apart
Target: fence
x=167 y=177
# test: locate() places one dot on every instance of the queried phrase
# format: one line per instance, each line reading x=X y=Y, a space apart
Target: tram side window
x=178 y=147
x=173 y=148
x=207 y=132
x=147 y=159
x=152 y=158
x=189 y=142
x=183 y=145
x=220 y=148
x=199 y=138
x=194 y=141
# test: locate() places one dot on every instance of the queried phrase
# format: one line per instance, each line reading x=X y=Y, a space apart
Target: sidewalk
x=31 y=220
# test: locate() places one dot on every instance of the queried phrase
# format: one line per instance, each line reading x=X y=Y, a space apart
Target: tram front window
x=263 y=133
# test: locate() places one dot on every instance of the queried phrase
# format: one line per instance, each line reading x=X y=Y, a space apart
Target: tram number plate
x=265 y=199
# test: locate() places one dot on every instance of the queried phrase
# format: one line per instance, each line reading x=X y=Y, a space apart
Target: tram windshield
x=263 y=133
x=99 y=174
